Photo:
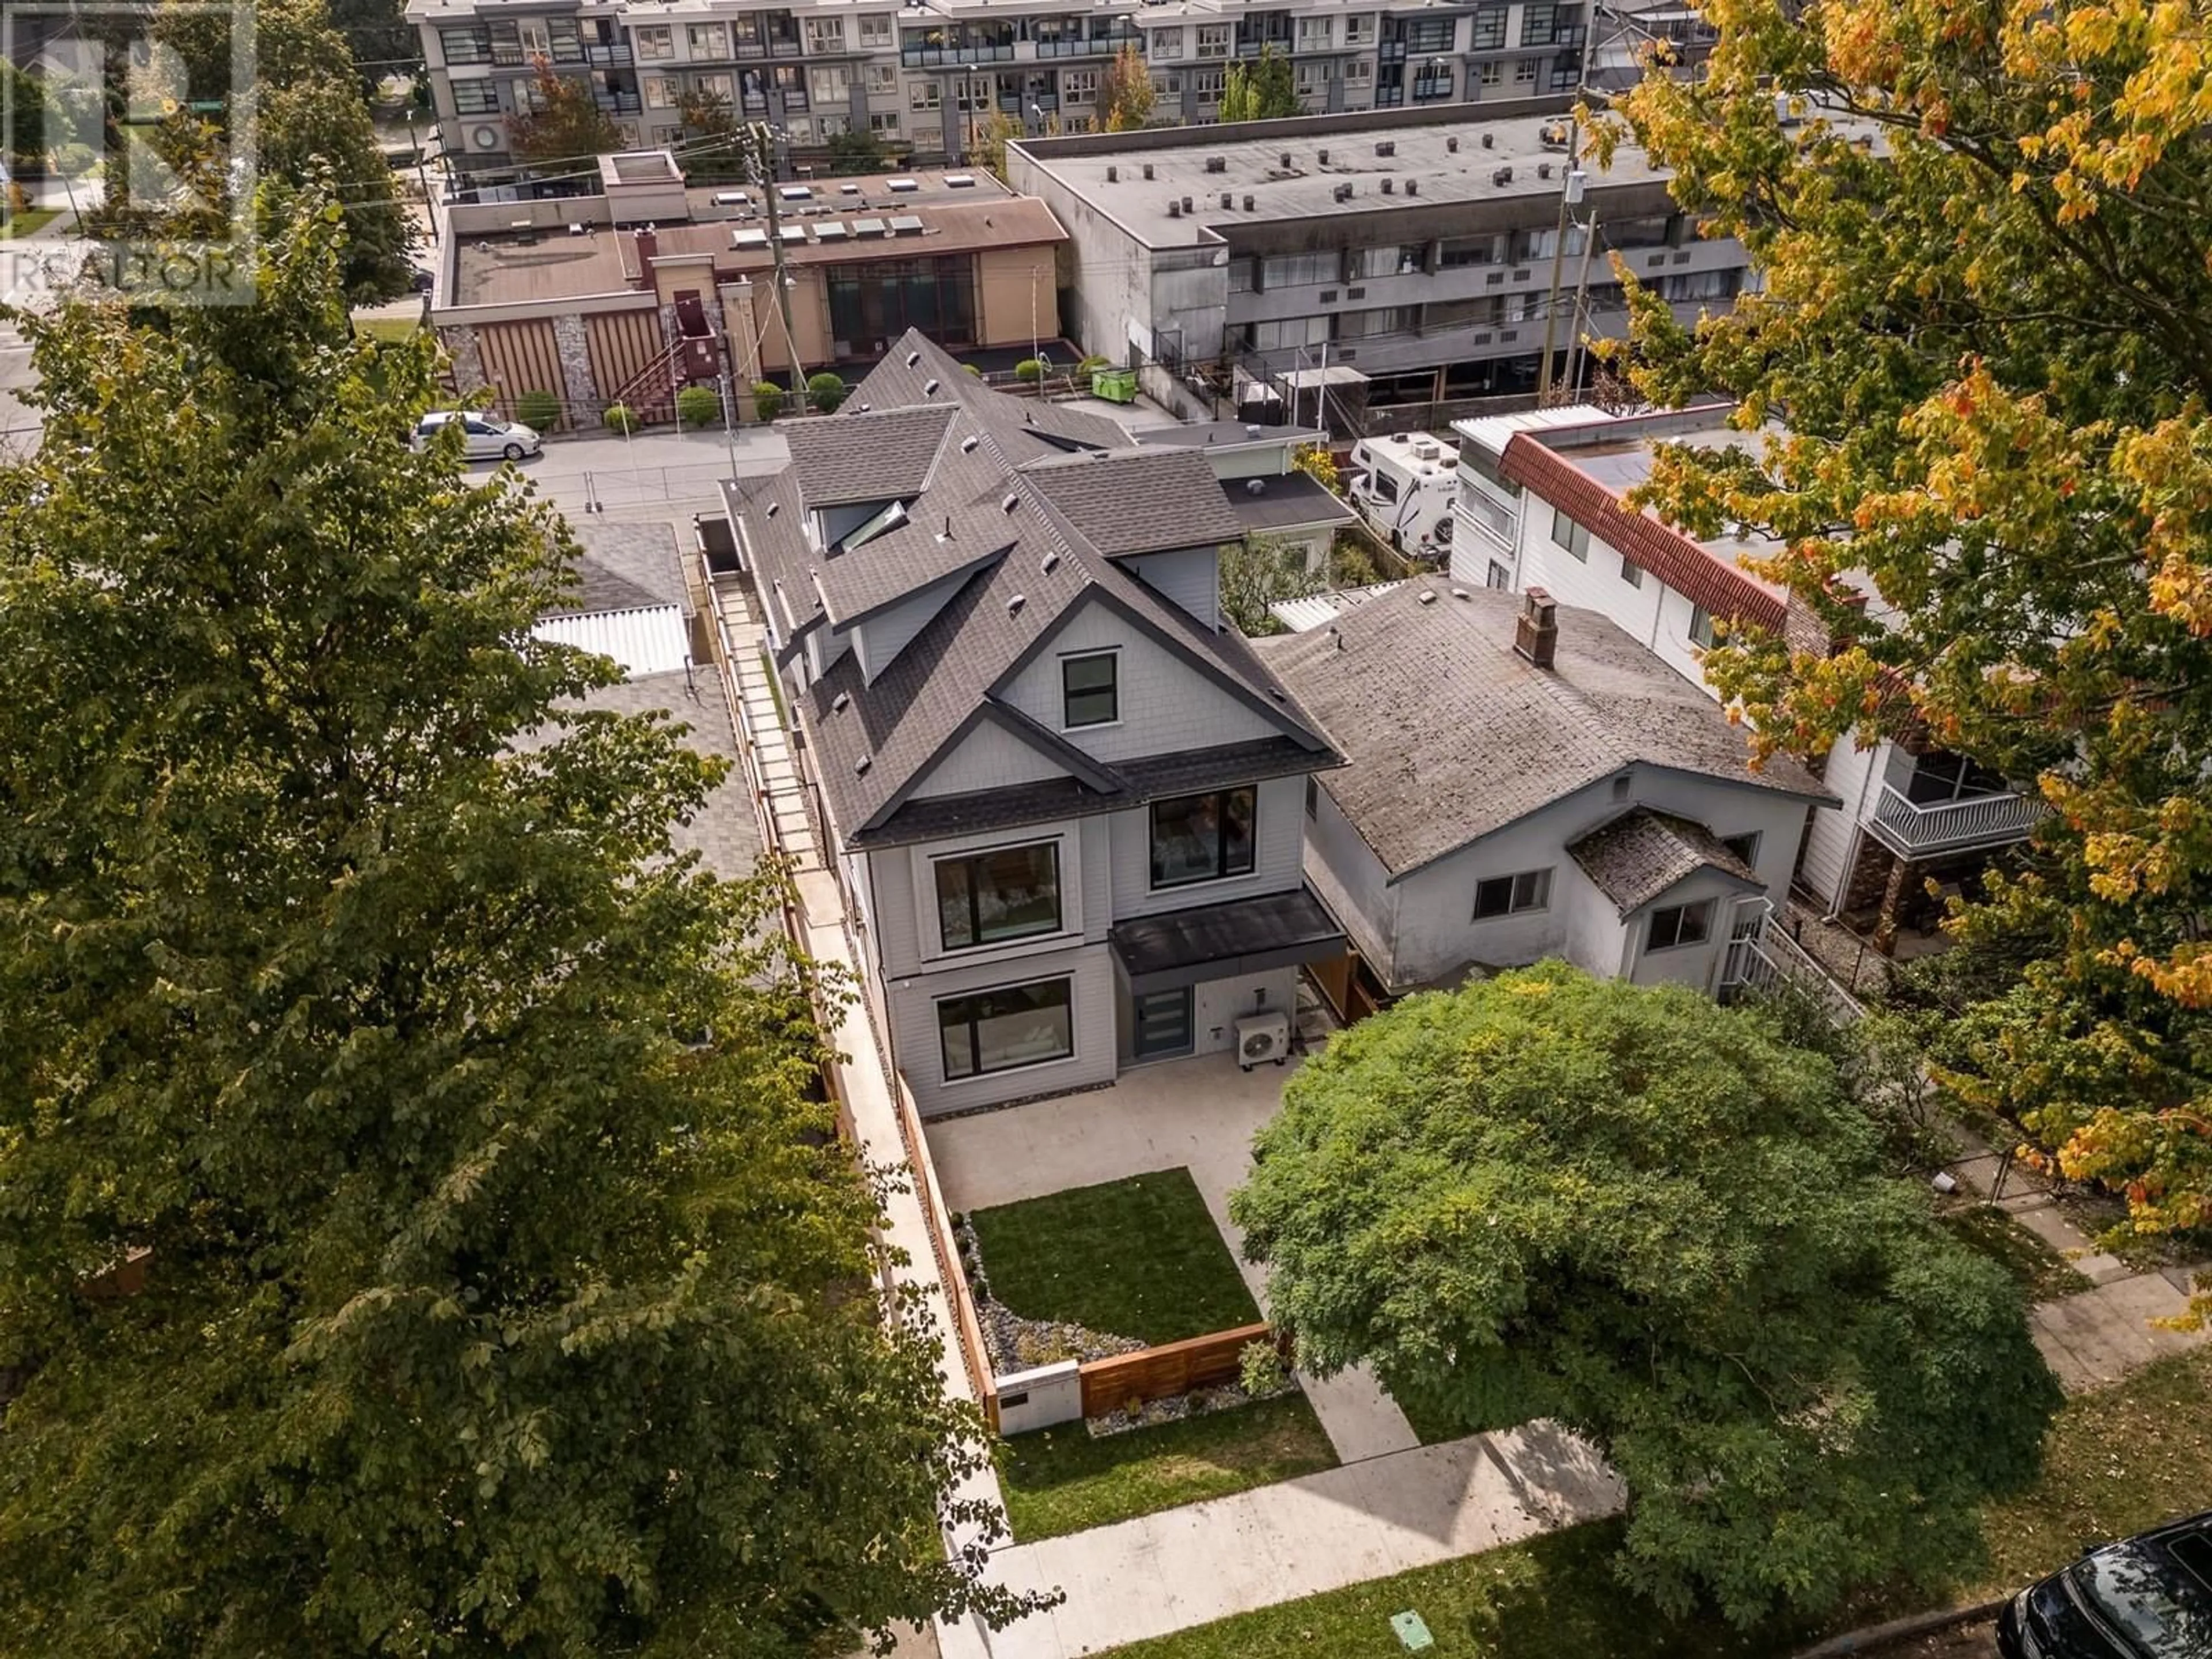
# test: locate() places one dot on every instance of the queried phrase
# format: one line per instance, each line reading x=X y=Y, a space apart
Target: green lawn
x=394 y=329
x=1139 y=1258
x=1061 y=1480
x=29 y=220
x=2117 y=1460
x=2042 y=1273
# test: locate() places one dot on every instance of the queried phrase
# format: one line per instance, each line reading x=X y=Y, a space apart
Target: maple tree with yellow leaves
x=1983 y=350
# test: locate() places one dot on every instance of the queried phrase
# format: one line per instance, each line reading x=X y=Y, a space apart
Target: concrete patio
x=1198 y=1115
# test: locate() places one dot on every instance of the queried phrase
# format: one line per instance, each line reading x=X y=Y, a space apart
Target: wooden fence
x=966 y=1327
x=1200 y=1362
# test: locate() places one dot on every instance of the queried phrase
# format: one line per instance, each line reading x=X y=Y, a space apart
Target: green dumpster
x=1116 y=386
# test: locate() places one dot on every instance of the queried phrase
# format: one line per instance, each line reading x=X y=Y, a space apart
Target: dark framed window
x=1745 y=847
x=1631 y=573
x=1701 y=626
x=1001 y=1030
x=1943 y=776
x=991 y=898
x=1569 y=535
x=1680 y=924
x=881 y=300
x=1089 y=689
x=1509 y=896
x=1312 y=798
x=1204 y=837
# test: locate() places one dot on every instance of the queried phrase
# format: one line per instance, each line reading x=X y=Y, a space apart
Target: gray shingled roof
x=871 y=748
x=1138 y=501
x=874 y=457
x=1642 y=854
x=1027 y=428
x=1289 y=502
x=626 y=567
x=1451 y=734
x=724 y=832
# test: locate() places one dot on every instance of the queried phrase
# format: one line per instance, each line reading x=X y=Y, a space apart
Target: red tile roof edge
x=1643 y=540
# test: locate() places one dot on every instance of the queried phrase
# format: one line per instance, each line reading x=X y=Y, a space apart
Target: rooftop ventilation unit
x=1286 y=161
x=1502 y=176
x=1554 y=134
x=1227 y=201
x=749 y=239
x=1216 y=164
x=1148 y=172
x=772 y=506
x=1452 y=145
x=1387 y=146
x=1051 y=562
x=1014 y=605
x=1175 y=208
x=1390 y=187
x=1011 y=502
x=929 y=388
x=1249 y=204
x=1488 y=139
x=1185 y=204
x=848 y=190
x=1321 y=157
x=1113 y=174
x=861 y=766
x=903 y=186
x=795 y=192
x=577 y=229
x=912 y=358
x=840 y=702
x=1412 y=187
x=968 y=445
x=1428 y=596
x=1343 y=191
x=1543 y=169
x=960 y=181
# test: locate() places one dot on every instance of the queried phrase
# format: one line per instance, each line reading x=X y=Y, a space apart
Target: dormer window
x=1089 y=689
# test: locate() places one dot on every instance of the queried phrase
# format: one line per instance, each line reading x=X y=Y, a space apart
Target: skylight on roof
x=907 y=224
x=960 y=181
x=830 y=230
x=792 y=232
x=795 y=192
x=868 y=226
x=903 y=186
x=750 y=239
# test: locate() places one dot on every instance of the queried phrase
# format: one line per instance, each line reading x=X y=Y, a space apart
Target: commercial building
x=622 y=298
x=1412 y=253
x=922 y=79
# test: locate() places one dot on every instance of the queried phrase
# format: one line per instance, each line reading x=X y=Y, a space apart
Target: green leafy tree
x=996 y=131
x=310 y=124
x=1262 y=90
x=23 y=141
x=722 y=145
x=1125 y=91
x=506 y=1288
x=1647 y=1216
x=565 y=127
x=852 y=153
x=769 y=399
x=826 y=391
x=1257 y=573
x=1990 y=331
x=383 y=42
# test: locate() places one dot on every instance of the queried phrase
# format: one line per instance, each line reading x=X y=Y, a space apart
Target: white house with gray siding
x=1522 y=782
x=1067 y=799
x=1540 y=505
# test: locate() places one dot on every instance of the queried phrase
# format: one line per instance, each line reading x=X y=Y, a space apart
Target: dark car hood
x=2063 y=1629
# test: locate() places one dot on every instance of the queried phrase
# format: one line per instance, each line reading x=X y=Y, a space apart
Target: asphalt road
x=654 y=474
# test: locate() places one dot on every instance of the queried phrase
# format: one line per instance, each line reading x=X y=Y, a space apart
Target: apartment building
x=1540 y=506
x=1410 y=252
x=924 y=78
x=1067 y=803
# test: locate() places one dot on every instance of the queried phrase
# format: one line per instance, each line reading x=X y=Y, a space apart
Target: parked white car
x=484 y=437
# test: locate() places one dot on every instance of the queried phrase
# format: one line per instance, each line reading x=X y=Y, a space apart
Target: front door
x=1162 y=1023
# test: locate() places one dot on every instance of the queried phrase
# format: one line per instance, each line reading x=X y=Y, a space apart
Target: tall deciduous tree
x=503 y=1288
x=1647 y=1216
x=1987 y=321
x=311 y=125
x=565 y=127
x=1259 y=91
x=1125 y=91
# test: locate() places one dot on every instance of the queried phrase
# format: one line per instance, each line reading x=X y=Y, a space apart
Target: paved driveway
x=1197 y=1114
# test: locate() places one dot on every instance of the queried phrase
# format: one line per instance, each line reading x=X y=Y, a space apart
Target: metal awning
x=1226 y=941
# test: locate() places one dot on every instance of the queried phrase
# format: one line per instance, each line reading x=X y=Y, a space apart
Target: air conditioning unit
x=1265 y=1036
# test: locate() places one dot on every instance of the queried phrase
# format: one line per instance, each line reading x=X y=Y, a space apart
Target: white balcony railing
x=1951 y=826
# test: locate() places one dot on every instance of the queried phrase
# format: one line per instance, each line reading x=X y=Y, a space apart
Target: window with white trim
x=1512 y=896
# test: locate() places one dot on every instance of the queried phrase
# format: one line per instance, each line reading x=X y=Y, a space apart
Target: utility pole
x=1570 y=193
x=1575 y=317
x=423 y=177
x=764 y=160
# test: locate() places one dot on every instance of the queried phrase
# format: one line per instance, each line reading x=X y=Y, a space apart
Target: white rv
x=1403 y=486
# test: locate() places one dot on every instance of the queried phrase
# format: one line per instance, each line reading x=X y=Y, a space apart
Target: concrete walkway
x=1320 y=1532
x=2101 y=1333
x=1198 y=1115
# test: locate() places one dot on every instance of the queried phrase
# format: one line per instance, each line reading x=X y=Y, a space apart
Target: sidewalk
x=1320 y=1532
x=2097 y=1335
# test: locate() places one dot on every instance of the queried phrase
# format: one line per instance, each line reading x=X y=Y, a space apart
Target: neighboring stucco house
x=1524 y=781
x=1271 y=497
x=1539 y=505
x=1064 y=796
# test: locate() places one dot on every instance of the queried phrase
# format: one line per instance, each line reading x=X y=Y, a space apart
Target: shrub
x=767 y=399
x=619 y=419
x=698 y=405
x=1029 y=369
x=539 y=410
x=972 y=369
x=1260 y=1371
x=1091 y=365
x=825 y=391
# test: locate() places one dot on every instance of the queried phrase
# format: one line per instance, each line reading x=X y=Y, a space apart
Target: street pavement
x=656 y=474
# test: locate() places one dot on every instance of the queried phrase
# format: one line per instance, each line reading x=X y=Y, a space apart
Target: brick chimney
x=648 y=246
x=1804 y=628
x=1536 y=631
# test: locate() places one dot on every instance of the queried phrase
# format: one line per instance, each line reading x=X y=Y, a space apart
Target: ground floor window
x=1000 y=1029
x=1680 y=924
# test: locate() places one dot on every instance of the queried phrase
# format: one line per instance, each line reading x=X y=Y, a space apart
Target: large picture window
x=1014 y=1026
x=990 y=898
x=882 y=299
x=1204 y=837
